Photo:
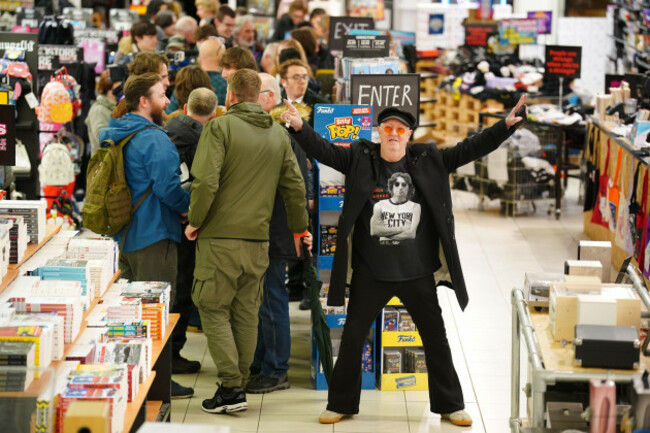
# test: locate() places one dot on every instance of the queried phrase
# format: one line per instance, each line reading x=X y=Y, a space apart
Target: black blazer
x=428 y=166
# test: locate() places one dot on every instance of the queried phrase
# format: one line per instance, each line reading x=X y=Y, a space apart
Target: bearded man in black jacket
x=404 y=248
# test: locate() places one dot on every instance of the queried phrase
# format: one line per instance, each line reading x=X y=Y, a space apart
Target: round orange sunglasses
x=398 y=131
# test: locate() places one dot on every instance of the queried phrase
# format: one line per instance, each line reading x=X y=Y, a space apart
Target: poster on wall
x=518 y=31
x=476 y=35
x=367 y=8
x=387 y=90
x=544 y=21
x=341 y=26
x=7 y=135
x=440 y=26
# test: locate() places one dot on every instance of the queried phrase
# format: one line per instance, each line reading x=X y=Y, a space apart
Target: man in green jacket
x=241 y=159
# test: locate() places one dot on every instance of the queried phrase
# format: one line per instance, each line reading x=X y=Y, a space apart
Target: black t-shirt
x=394 y=237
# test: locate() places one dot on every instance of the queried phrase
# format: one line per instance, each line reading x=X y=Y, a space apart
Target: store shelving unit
x=153 y=401
x=332 y=205
x=397 y=339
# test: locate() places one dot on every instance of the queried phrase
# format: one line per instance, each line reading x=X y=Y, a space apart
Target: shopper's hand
x=191 y=232
x=512 y=117
x=291 y=117
x=308 y=240
x=184 y=218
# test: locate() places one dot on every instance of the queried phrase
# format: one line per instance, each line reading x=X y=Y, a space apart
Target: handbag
x=601 y=209
x=623 y=233
x=614 y=193
x=592 y=172
x=641 y=217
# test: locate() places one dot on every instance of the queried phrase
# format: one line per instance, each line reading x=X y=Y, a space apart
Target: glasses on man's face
x=403 y=184
x=265 y=91
x=299 y=78
x=398 y=131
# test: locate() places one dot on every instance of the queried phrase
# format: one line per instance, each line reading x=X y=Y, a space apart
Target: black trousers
x=184 y=280
x=367 y=297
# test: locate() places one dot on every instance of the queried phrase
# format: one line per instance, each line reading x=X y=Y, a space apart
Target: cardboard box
x=600 y=251
x=584 y=267
x=596 y=310
x=563 y=307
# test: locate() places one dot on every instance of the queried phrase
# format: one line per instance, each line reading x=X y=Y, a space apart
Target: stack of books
x=33 y=212
x=69 y=270
x=95 y=249
x=156 y=297
x=17 y=362
x=134 y=355
x=5 y=250
x=17 y=235
x=52 y=321
x=114 y=396
x=70 y=307
x=38 y=335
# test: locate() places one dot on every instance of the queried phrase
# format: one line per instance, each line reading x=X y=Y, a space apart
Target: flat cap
x=395 y=113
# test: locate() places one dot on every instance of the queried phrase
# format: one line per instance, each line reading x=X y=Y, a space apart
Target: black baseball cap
x=395 y=113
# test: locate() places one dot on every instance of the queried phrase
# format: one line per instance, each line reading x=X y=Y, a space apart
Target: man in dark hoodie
x=242 y=158
x=185 y=131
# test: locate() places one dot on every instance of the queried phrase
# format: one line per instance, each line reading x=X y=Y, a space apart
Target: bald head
x=210 y=53
x=270 y=95
x=185 y=27
x=202 y=104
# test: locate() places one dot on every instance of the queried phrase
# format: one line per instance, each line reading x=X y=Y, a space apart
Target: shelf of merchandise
x=334 y=321
x=50 y=231
x=156 y=387
x=397 y=339
x=13 y=271
x=337 y=321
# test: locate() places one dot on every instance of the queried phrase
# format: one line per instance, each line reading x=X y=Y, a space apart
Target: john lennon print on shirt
x=396 y=219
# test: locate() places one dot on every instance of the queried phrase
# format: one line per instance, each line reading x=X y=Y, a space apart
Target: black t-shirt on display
x=394 y=237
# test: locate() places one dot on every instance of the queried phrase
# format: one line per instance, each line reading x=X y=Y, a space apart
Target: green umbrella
x=319 y=324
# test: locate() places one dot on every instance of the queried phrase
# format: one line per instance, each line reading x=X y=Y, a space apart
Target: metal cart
x=549 y=362
x=549 y=134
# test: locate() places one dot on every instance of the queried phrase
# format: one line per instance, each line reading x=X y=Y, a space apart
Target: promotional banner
x=563 y=61
x=366 y=46
x=544 y=19
x=343 y=124
x=7 y=135
x=476 y=35
x=389 y=90
x=51 y=57
x=518 y=32
x=341 y=26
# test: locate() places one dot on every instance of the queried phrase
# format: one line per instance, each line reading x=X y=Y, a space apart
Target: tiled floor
x=495 y=251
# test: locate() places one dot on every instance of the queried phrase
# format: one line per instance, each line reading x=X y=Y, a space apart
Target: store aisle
x=496 y=251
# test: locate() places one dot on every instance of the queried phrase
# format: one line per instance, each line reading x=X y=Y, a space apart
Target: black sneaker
x=263 y=384
x=226 y=400
x=179 y=391
x=181 y=365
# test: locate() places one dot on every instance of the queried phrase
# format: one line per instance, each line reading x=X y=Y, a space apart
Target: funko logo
x=3 y=129
x=325 y=110
x=341 y=321
x=405 y=339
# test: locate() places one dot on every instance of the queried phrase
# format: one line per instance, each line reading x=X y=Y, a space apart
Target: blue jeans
x=274 y=335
